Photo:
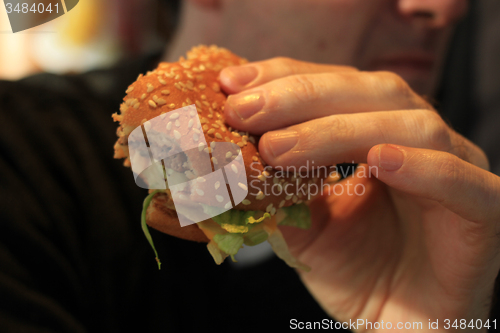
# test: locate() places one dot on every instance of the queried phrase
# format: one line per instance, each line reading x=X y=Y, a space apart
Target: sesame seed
x=273 y=211
x=174 y=115
x=196 y=137
x=215 y=87
x=201 y=145
x=196 y=130
x=243 y=186
x=236 y=134
x=190 y=123
x=205 y=103
x=217 y=185
x=147 y=126
x=228 y=139
x=202 y=86
x=214 y=160
x=177 y=77
x=294 y=198
x=282 y=203
x=150 y=87
x=208 y=150
x=171 y=106
x=265 y=173
x=177 y=86
x=288 y=197
x=260 y=195
x=269 y=207
x=165 y=92
x=219 y=198
x=143 y=96
x=255 y=158
x=177 y=135
x=234 y=168
x=218 y=136
x=214 y=105
x=163 y=115
x=201 y=179
x=211 y=131
x=228 y=205
x=261 y=177
x=215 y=126
x=162 y=81
x=203 y=97
x=198 y=103
x=192 y=113
x=240 y=144
x=169 y=125
x=129 y=90
x=183 y=197
x=246 y=202
x=152 y=104
x=229 y=154
x=200 y=192
x=177 y=123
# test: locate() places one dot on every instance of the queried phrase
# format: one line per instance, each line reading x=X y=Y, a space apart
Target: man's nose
x=437 y=13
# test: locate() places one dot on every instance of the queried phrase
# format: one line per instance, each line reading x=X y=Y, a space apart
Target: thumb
x=465 y=189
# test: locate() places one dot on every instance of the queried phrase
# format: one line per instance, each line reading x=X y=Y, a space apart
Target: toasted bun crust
x=195 y=81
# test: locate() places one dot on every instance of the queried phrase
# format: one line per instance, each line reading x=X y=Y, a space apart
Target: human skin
x=422 y=241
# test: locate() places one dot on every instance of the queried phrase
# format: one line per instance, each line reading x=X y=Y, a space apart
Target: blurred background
x=95 y=33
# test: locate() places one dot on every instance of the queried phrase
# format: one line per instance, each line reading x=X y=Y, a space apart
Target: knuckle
x=304 y=88
x=393 y=85
x=450 y=174
x=340 y=129
x=286 y=63
x=435 y=130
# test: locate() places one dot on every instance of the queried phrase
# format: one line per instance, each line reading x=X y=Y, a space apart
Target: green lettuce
x=298 y=216
x=144 y=226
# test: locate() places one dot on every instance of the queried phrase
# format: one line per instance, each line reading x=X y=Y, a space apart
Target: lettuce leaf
x=298 y=216
x=229 y=243
x=144 y=226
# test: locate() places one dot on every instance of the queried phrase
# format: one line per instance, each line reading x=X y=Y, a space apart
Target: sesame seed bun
x=194 y=81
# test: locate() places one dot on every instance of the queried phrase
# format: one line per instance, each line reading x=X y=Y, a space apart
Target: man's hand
x=422 y=241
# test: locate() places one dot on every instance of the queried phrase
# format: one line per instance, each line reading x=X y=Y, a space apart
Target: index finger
x=238 y=78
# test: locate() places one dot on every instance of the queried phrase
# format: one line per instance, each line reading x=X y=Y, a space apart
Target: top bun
x=194 y=80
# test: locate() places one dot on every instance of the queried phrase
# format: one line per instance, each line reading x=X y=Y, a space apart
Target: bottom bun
x=162 y=218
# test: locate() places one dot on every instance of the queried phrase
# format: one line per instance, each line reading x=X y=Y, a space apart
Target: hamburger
x=191 y=84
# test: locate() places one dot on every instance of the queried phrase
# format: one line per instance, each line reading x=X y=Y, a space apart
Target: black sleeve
x=72 y=254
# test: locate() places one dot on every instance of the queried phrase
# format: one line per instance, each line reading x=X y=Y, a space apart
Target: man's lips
x=408 y=62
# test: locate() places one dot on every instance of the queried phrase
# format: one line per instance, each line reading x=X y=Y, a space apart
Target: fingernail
x=242 y=75
x=247 y=104
x=390 y=157
x=279 y=142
